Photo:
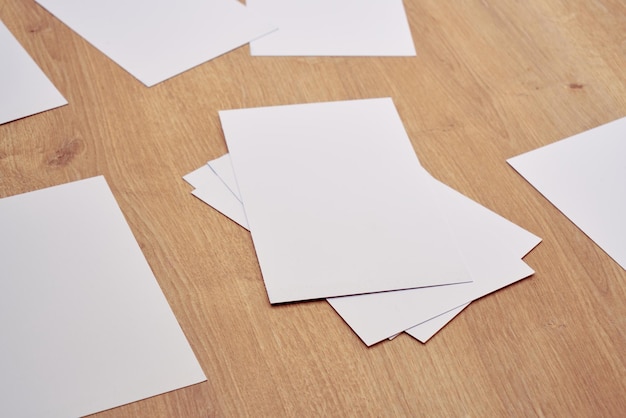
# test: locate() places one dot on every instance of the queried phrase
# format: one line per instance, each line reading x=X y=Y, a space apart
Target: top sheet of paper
x=337 y=202
x=158 y=39
x=334 y=28
x=24 y=88
x=85 y=326
x=584 y=176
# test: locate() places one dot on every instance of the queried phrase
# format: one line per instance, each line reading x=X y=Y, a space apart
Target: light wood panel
x=492 y=79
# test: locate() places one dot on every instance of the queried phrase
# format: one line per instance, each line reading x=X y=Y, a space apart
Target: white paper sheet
x=85 y=326
x=584 y=176
x=508 y=238
x=24 y=88
x=158 y=39
x=364 y=223
x=334 y=27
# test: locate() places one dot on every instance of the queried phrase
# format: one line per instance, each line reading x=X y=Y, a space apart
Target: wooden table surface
x=492 y=79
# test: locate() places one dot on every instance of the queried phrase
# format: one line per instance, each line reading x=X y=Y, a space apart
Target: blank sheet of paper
x=584 y=176
x=337 y=202
x=158 y=39
x=85 y=326
x=334 y=28
x=24 y=88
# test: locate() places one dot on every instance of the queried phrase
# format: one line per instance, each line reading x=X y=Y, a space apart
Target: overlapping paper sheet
x=158 y=39
x=334 y=28
x=492 y=246
x=326 y=223
x=85 y=326
x=584 y=176
x=24 y=88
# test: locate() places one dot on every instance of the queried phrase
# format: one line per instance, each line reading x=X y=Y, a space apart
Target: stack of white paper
x=24 y=88
x=584 y=176
x=85 y=326
x=340 y=208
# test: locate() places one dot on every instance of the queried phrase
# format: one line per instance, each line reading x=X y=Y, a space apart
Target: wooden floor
x=491 y=79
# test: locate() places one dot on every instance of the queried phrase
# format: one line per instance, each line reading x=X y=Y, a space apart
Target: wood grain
x=492 y=79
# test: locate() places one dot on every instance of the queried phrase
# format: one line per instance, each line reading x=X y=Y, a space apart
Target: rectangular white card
x=337 y=202
x=24 y=88
x=584 y=176
x=85 y=325
x=158 y=39
x=334 y=28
